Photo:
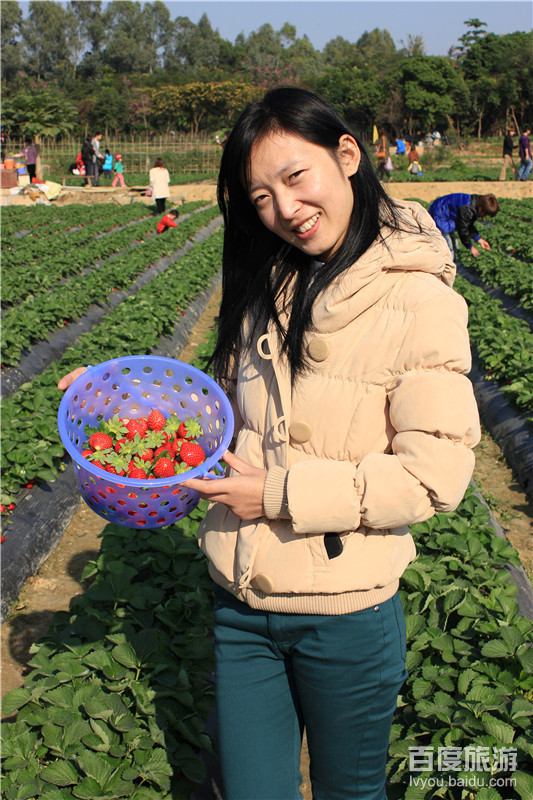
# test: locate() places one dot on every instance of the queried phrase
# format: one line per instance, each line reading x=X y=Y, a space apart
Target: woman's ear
x=349 y=154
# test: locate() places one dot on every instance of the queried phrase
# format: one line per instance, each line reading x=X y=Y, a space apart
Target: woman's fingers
x=242 y=493
x=66 y=380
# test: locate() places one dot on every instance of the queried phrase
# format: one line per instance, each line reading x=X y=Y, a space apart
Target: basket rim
x=197 y=472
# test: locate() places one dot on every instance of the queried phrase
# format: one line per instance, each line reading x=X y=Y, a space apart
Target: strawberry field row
x=28 y=277
x=504 y=344
x=520 y=209
x=52 y=223
x=40 y=314
x=31 y=445
x=501 y=270
x=27 y=252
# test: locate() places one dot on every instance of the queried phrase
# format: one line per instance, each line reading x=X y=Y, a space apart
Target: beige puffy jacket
x=377 y=435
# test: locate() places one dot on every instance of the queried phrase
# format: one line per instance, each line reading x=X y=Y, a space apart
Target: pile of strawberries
x=145 y=447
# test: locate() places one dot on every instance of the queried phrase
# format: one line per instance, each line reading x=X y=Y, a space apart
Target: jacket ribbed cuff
x=275 y=494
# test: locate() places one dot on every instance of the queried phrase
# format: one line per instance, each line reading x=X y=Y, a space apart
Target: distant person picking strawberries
x=168 y=221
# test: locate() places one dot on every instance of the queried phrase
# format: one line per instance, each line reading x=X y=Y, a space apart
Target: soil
x=59 y=579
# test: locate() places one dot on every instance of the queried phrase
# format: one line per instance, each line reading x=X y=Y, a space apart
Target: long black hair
x=257 y=265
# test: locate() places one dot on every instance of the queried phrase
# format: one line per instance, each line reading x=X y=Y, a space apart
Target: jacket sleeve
x=466 y=229
x=433 y=412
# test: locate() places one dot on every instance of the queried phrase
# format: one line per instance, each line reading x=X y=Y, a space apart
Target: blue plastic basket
x=131 y=387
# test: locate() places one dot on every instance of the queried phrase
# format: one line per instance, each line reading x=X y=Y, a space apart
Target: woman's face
x=302 y=193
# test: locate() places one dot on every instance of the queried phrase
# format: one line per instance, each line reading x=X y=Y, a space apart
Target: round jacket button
x=300 y=432
x=264 y=583
x=318 y=349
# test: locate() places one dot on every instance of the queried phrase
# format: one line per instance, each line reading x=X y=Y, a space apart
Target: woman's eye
x=295 y=174
x=259 y=199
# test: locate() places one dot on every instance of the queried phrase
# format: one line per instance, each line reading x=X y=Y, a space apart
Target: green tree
x=39 y=112
x=433 y=91
x=414 y=47
x=46 y=33
x=131 y=43
x=305 y=62
x=339 y=52
x=355 y=93
x=194 y=46
x=377 y=52
x=498 y=73
x=11 y=22
x=87 y=29
x=193 y=105
x=264 y=45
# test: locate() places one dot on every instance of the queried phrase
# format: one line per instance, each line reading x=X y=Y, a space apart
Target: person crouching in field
x=168 y=221
x=457 y=213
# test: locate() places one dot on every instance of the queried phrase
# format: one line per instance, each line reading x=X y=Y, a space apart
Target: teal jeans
x=336 y=676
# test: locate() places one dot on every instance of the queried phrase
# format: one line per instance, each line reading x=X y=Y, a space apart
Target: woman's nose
x=287 y=204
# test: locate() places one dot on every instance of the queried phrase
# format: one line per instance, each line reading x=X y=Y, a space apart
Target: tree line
x=130 y=68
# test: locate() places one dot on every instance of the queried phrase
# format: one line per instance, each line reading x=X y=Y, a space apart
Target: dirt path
x=58 y=581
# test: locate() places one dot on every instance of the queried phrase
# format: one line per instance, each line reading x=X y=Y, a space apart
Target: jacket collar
x=358 y=288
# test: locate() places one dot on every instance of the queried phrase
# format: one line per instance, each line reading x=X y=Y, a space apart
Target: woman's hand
x=242 y=493
x=484 y=244
x=66 y=380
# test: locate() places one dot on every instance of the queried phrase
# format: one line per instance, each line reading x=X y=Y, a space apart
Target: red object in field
x=37 y=180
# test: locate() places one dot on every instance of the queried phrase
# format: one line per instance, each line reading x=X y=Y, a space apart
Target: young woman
x=344 y=350
x=159 y=184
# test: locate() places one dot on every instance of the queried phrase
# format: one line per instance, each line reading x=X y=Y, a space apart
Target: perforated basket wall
x=131 y=387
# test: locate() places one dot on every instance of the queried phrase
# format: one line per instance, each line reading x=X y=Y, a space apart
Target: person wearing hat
x=119 y=171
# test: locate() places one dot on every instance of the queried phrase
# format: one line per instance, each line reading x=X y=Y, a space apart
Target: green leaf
x=60 y=773
x=496 y=727
x=14 y=700
x=88 y=789
x=94 y=766
x=524 y=784
x=525 y=655
x=125 y=655
x=495 y=648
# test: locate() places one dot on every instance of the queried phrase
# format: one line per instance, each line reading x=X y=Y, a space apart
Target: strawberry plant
x=39 y=314
x=504 y=344
x=470 y=658
x=119 y=689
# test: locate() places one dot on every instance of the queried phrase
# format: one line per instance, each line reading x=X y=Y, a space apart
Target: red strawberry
x=113 y=471
x=165 y=449
x=87 y=453
x=156 y=420
x=176 y=446
x=119 y=444
x=100 y=441
x=134 y=426
x=190 y=429
x=192 y=454
x=164 y=468
x=137 y=473
x=147 y=455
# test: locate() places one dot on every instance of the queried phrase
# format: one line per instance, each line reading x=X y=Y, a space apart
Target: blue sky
x=439 y=23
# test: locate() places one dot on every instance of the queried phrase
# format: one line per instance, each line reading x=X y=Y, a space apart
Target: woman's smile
x=307 y=226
